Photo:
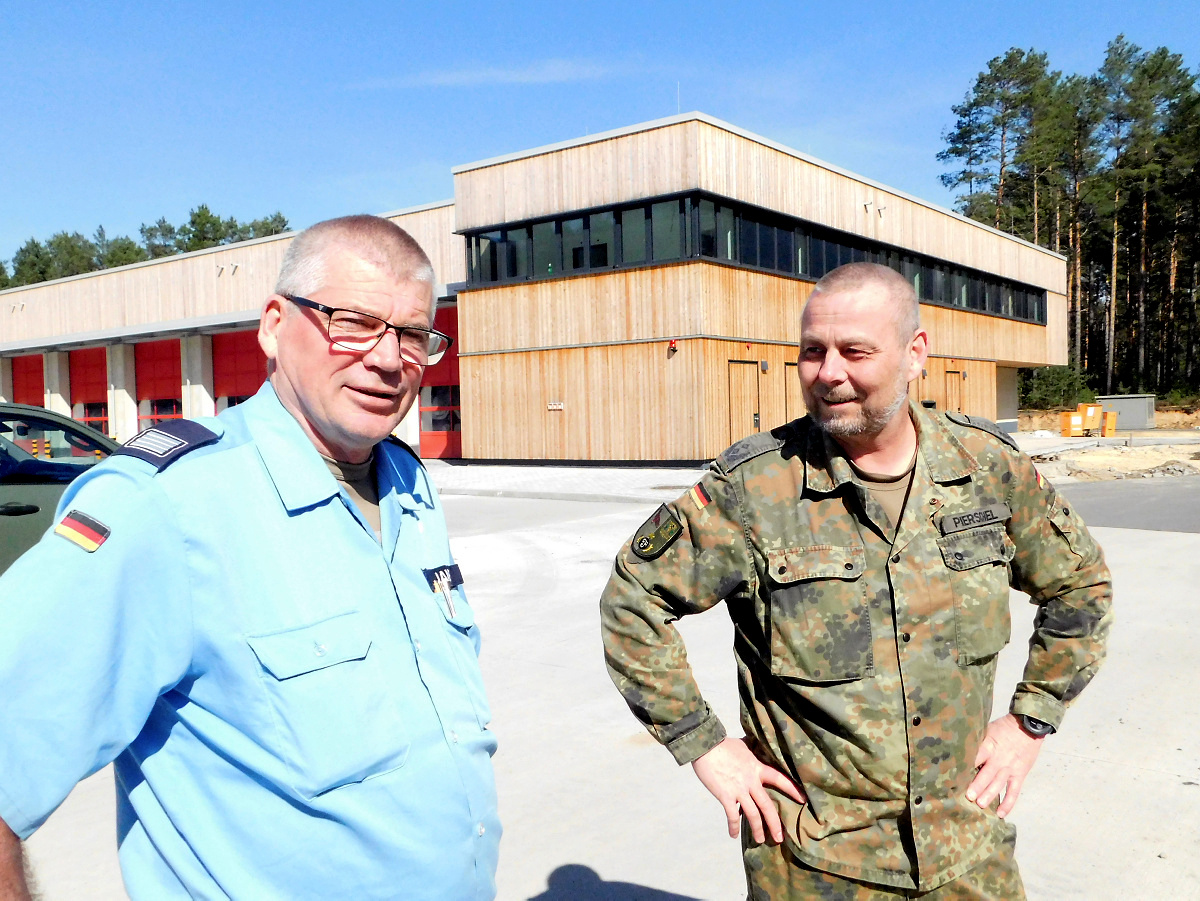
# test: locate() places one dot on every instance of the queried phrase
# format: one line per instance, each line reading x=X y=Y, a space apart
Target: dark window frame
x=814 y=250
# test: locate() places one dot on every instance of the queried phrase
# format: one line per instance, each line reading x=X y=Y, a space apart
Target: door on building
x=744 y=411
x=953 y=390
x=793 y=397
x=441 y=417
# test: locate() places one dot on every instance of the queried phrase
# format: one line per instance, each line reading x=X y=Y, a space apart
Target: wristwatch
x=1034 y=727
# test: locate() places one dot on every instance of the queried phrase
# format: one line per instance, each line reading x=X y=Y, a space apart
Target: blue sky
x=119 y=113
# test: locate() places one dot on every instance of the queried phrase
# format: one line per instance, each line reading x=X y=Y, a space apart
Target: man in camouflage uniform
x=865 y=555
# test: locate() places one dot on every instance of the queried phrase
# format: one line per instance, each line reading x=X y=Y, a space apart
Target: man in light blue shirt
x=258 y=617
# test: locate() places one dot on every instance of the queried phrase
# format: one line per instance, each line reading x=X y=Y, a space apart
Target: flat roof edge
x=149 y=331
x=697 y=116
x=176 y=257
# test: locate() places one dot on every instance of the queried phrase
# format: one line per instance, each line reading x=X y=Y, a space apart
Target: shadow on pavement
x=575 y=882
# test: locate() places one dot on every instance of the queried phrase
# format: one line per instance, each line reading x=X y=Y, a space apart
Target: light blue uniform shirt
x=293 y=712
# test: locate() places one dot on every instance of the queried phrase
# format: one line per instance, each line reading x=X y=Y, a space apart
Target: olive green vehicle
x=40 y=453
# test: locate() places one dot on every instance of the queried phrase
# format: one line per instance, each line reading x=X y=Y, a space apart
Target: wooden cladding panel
x=1056 y=330
x=965 y=386
x=624 y=402
x=433 y=229
x=700 y=155
x=734 y=166
x=225 y=280
x=967 y=334
x=629 y=167
x=636 y=304
x=195 y=286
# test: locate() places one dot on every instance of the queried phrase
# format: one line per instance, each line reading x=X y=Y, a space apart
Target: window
x=546 y=261
x=633 y=236
x=574 y=253
x=516 y=253
x=602 y=230
x=698 y=225
x=708 y=228
x=666 y=234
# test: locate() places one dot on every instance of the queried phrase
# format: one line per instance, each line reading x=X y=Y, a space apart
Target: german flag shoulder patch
x=699 y=496
x=79 y=528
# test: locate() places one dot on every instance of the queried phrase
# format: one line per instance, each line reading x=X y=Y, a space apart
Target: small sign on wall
x=554 y=406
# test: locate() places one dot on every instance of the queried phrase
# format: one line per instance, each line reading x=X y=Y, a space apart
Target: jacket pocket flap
x=293 y=652
x=822 y=561
x=975 y=547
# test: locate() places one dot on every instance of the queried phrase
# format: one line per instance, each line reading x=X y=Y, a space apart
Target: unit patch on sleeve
x=656 y=534
x=79 y=528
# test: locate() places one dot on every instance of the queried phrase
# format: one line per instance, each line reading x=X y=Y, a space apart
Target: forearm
x=13 y=886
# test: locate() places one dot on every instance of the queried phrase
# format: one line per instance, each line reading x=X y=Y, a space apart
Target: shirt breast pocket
x=464 y=639
x=333 y=718
x=977 y=561
x=819 y=623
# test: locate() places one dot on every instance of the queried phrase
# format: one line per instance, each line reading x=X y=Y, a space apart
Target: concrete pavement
x=594 y=810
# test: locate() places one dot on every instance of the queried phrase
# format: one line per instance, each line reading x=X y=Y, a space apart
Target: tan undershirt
x=359 y=481
x=890 y=492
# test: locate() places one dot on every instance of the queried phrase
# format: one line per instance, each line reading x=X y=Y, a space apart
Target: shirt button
x=417 y=646
x=958 y=555
x=420 y=526
x=319 y=649
x=895 y=558
x=917 y=800
x=906 y=636
x=916 y=721
x=481 y=829
x=1066 y=511
x=782 y=570
x=849 y=566
x=454 y=737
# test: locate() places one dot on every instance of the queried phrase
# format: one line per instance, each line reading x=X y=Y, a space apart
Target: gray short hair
x=374 y=239
x=900 y=291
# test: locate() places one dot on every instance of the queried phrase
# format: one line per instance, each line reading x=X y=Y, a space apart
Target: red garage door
x=441 y=424
x=159 y=380
x=89 y=386
x=239 y=365
x=29 y=380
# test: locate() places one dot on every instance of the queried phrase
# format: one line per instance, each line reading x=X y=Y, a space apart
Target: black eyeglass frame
x=387 y=326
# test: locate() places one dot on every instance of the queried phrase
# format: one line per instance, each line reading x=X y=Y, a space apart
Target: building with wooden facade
x=633 y=295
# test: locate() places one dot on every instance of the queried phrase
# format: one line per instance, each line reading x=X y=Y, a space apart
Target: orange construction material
x=1110 y=424
x=1092 y=416
x=1071 y=424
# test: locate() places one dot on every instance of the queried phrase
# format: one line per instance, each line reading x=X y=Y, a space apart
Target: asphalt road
x=595 y=810
x=1161 y=505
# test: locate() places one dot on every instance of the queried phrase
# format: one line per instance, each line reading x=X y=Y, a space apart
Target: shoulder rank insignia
x=656 y=534
x=984 y=425
x=162 y=444
x=750 y=447
x=79 y=528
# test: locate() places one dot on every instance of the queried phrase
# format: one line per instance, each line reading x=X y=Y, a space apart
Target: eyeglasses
x=360 y=332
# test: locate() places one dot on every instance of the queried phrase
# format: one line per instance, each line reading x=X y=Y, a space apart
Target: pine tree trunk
x=1057 y=225
x=1141 y=370
x=1111 y=330
x=1035 y=210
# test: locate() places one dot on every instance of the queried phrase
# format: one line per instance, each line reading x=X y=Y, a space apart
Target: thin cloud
x=550 y=71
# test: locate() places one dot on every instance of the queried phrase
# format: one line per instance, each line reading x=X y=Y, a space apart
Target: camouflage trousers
x=773 y=874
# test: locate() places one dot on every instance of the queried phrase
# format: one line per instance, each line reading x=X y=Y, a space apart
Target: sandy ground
x=1120 y=462
x=1032 y=420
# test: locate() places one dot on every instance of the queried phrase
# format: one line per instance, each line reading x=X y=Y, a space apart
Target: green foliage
x=72 y=254
x=118 y=251
x=4 y=282
x=159 y=238
x=1105 y=169
x=32 y=263
x=1048 y=387
x=1186 y=397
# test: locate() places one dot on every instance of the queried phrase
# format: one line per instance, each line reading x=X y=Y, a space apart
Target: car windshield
x=41 y=448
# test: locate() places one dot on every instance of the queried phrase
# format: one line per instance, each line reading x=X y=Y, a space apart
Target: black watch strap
x=1035 y=727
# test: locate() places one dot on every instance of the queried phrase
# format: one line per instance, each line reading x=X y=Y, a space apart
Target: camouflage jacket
x=865 y=665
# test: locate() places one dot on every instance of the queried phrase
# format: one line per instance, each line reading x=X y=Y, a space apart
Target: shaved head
x=855 y=276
